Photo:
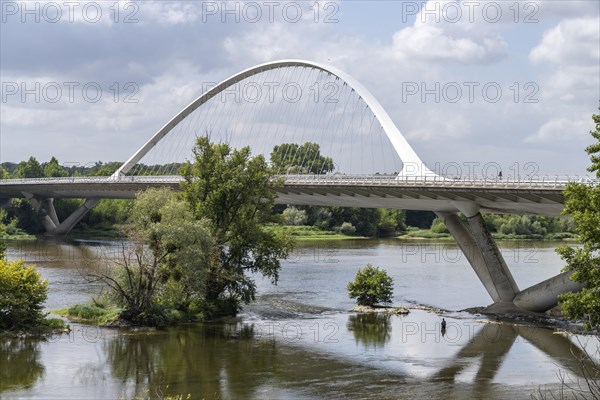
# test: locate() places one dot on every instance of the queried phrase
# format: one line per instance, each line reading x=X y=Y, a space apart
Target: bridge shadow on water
x=236 y=360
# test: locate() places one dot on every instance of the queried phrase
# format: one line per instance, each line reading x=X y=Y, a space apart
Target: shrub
x=371 y=285
x=294 y=216
x=347 y=229
x=22 y=294
x=438 y=226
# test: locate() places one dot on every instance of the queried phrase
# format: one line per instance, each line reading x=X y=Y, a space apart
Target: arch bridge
x=360 y=160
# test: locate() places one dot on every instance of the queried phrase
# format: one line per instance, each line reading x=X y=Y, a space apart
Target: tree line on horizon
x=285 y=158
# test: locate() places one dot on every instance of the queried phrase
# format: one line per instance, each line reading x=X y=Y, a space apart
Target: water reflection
x=20 y=367
x=208 y=361
x=371 y=329
x=369 y=356
x=491 y=344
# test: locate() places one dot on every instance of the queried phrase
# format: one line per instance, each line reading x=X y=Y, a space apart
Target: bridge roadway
x=541 y=196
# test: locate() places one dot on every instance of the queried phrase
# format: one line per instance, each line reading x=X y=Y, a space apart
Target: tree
x=583 y=203
x=22 y=294
x=390 y=223
x=294 y=216
x=371 y=285
x=29 y=169
x=163 y=263
x=291 y=158
x=232 y=191
x=53 y=170
x=2 y=230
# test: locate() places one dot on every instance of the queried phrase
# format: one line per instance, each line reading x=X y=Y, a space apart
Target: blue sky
x=175 y=47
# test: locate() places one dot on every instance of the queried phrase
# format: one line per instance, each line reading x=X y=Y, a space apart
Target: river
x=298 y=340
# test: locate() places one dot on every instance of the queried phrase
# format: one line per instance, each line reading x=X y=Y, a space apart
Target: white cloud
x=433 y=43
x=572 y=42
x=561 y=130
x=433 y=125
x=168 y=13
x=451 y=31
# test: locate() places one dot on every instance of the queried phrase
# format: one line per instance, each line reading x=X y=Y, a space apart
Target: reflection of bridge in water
x=352 y=128
x=292 y=364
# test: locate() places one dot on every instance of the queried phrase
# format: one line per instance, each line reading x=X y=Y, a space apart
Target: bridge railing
x=543 y=181
x=538 y=181
x=95 y=179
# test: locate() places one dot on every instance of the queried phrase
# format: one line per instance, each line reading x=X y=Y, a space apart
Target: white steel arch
x=412 y=164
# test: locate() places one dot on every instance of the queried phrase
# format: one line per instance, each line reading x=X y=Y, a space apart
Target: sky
x=468 y=83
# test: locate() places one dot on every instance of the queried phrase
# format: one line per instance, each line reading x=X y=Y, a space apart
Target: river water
x=298 y=340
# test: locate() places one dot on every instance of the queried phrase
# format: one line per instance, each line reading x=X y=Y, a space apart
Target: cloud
x=433 y=43
x=571 y=42
x=562 y=130
x=175 y=48
x=451 y=31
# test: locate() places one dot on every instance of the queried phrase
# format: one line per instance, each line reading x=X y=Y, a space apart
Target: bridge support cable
x=50 y=220
x=287 y=101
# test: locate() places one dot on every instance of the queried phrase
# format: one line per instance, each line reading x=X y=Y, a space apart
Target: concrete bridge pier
x=50 y=219
x=484 y=256
x=476 y=242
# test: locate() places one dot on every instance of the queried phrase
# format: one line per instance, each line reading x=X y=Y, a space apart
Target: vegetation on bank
x=583 y=204
x=187 y=255
x=91 y=313
x=22 y=295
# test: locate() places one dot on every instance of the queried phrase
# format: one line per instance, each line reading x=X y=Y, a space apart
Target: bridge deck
x=537 y=197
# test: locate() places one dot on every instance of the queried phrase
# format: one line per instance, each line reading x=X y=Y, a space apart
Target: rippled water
x=299 y=341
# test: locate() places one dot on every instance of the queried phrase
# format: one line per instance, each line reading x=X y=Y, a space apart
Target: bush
x=22 y=294
x=294 y=216
x=347 y=229
x=438 y=226
x=371 y=285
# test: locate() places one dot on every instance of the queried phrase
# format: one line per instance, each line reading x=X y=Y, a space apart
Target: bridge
x=375 y=167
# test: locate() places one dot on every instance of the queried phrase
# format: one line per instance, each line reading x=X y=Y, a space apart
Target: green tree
x=233 y=191
x=391 y=222
x=53 y=170
x=371 y=285
x=22 y=294
x=294 y=216
x=438 y=226
x=29 y=169
x=104 y=169
x=164 y=261
x=2 y=230
x=583 y=203
x=291 y=158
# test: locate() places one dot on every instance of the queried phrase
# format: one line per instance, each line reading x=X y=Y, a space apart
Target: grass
x=86 y=233
x=304 y=232
x=423 y=234
x=90 y=313
x=20 y=235
x=414 y=233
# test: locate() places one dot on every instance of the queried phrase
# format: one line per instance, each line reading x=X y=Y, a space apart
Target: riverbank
x=308 y=233
x=47 y=327
x=313 y=233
